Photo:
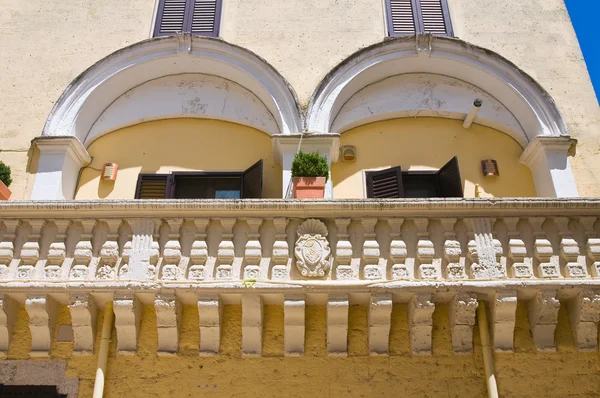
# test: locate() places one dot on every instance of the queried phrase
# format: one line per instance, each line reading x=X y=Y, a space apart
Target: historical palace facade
x=151 y=246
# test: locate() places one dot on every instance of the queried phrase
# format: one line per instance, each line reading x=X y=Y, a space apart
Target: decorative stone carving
x=371 y=252
x=125 y=259
x=398 y=251
x=313 y=255
x=252 y=322
x=484 y=250
x=420 y=323
x=337 y=324
x=7 y=246
x=43 y=311
x=548 y=263
x=226 y=251
x=210 y=311
x=83 y=251
x=425 y=251
x=57 y=252
x=503 y=316
x=462 y=319
x=143 y=255
x=253 y=250
x=109 y=253
x=199 y=252
x=343 y=251
x=128 y=317
x=172 y=251
x=592 y=243
x=293 y=324
x=380 y=318
x=522 y=265
x=543 y=317
x=575 y=262
x=168 y=321
x=584 y=314
x=9 y=310
x=455 y=261
x=83 y=319
x=30 y=252
x=281 y=253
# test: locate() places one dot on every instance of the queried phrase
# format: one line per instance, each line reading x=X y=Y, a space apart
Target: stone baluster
x=57 y=251
x=575 y=261
x=30 y=252
x=455 y=262
x=280 y=269
x=592 y=243
x=172 y=251
x=343 y=251
x=7 y=247
x=548 y=263
x=83 y=251
x=522 y=266
x=109 y=252
x=371 y=252
x=253 y=250
x=226 y=251
x=426 y=251
x=398 y=251
x=199 y=251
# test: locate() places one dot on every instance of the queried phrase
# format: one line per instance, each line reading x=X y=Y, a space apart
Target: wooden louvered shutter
x=154 y=186
x=434 y=17
x=199 y=17
x=252 y=181
x=449 y=182
x=407 y=17
x=385 y=183
x=400 y=17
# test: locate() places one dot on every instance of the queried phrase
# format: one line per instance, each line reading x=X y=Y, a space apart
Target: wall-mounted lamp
x=348 y=153
x=471 y=116
x=489 y=167
x=109 y=171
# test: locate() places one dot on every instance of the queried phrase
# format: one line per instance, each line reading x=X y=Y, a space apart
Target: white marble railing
x=417 y=252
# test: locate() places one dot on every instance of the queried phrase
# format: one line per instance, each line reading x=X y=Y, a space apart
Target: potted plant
x=5 y=181
x=309 y=172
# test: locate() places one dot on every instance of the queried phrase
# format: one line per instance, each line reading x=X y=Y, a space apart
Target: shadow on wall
x=427 y=144
x=177 y=145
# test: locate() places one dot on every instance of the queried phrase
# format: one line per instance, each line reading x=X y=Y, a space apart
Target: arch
x=89 y=96
x=520 y=98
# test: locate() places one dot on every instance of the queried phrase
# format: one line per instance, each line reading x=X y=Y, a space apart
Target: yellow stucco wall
x=427 y=144
x=176 y=145
x=525 y=373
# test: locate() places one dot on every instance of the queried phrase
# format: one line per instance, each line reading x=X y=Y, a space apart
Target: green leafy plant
x=310 y=165
x=5 y=174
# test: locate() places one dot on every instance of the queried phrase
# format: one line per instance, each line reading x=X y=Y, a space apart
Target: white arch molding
x=181 y=76
x=432 y=76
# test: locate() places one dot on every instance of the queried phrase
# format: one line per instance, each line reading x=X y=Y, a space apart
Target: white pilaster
x=337 y=324
x=293 y=314
x=43 y=311
x=543 y=317
x=61 y=158
x=252 y=324
x=168 y=321
x=462 y=320
x=547 y=157
x=210 y=311
x=83 y=319
x=286 y=146
x=380 y=318
x=503 y=308
x=128 y=316
x=420 y=323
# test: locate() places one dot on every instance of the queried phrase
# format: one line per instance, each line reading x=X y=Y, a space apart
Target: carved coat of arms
x=313 y=254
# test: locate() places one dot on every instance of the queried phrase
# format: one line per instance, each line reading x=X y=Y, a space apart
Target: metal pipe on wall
x=488 y=356
x=103 y=350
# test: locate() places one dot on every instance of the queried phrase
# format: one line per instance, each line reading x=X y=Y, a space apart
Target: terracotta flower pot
x=4 y=192
x=309 y=187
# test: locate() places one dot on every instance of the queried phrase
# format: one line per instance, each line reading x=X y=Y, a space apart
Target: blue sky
x=585 y=15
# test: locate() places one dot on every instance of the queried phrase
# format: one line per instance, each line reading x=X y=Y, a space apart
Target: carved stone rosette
x=313 y=254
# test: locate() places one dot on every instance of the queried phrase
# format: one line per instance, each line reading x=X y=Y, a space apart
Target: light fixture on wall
x=489 y=167
x=348 y=153
x=109 y=171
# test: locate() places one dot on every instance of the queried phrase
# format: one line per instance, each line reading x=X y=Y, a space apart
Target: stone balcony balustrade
x=377 y=253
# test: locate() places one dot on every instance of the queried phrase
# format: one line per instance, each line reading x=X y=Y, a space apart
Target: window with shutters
x=408 y=17
x=395 y=183
x=198 y=17
x=202 y=185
